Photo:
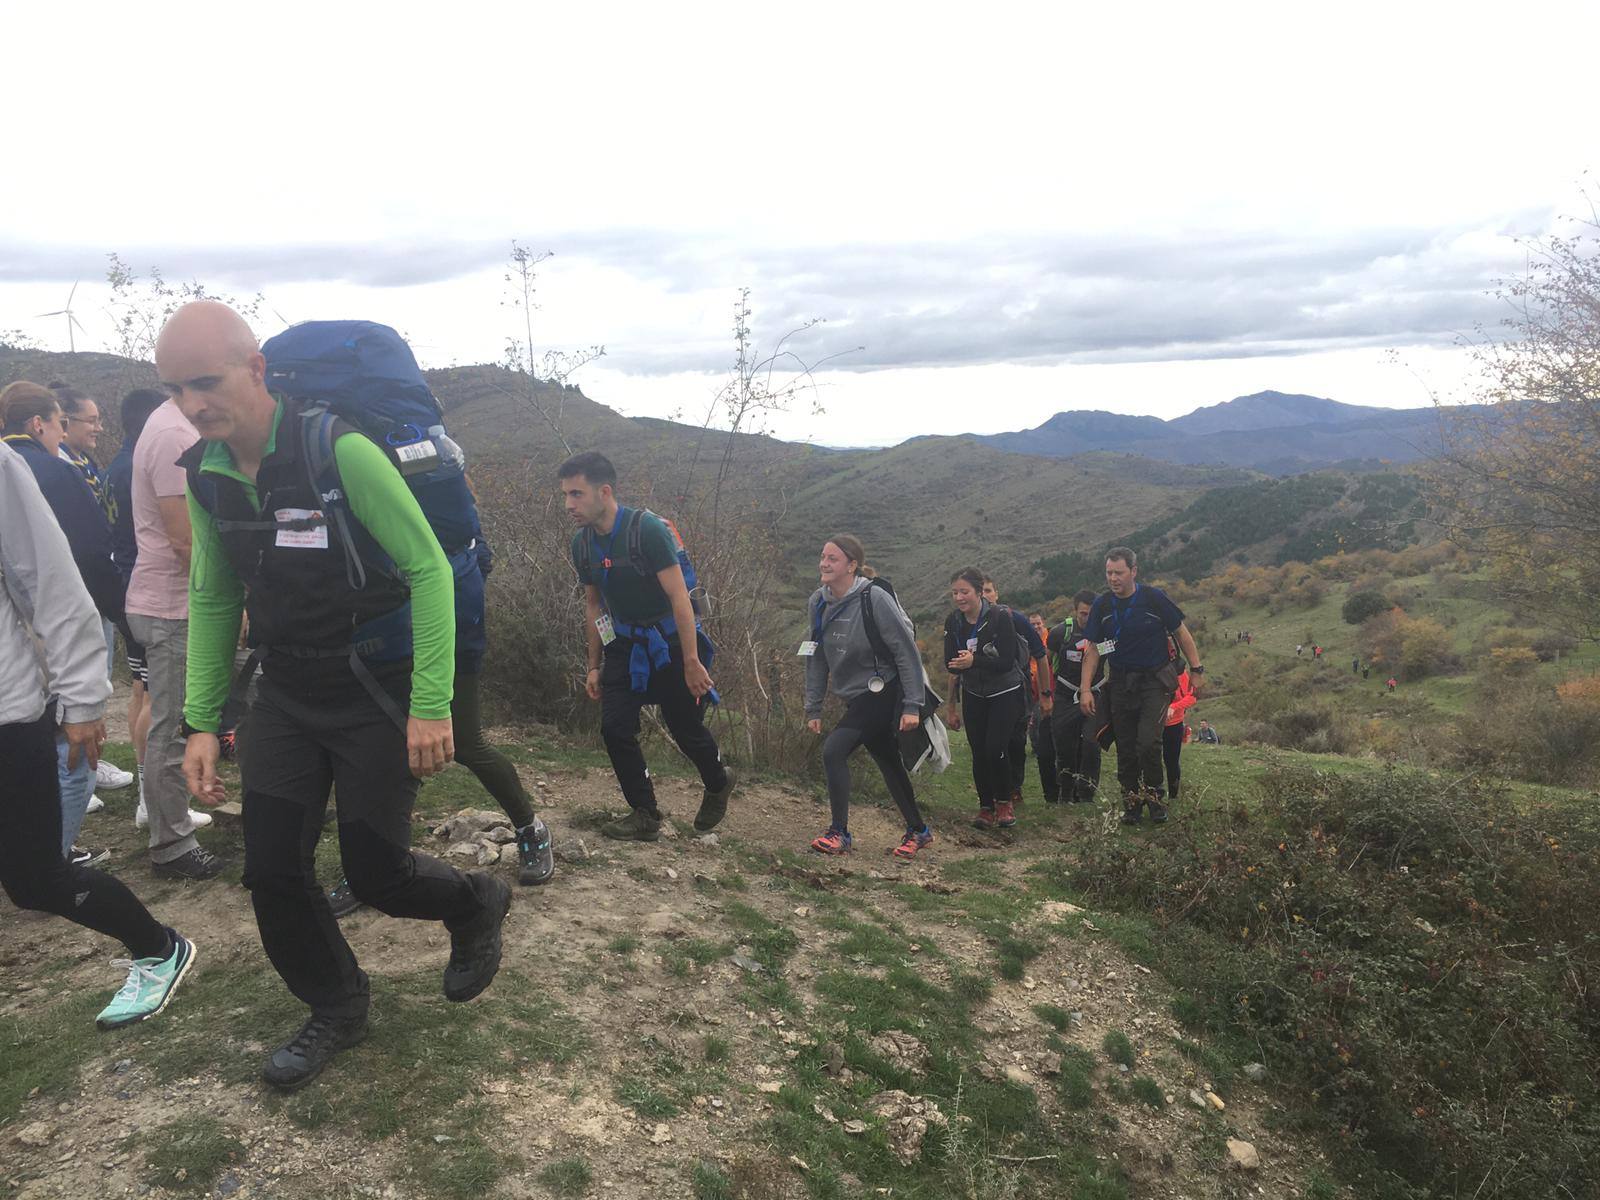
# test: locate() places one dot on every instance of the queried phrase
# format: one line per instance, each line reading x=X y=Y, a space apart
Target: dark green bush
x=1361 y=605
x=1417 y=951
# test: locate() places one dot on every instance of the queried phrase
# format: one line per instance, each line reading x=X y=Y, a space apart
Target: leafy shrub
x=1362 y=606
x=1536 y=733
x=1418 y=951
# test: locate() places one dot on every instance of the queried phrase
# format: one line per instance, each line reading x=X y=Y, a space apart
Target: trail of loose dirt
x=73 y=1145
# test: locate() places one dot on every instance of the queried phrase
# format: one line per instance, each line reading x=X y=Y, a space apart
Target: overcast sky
x=991 y=217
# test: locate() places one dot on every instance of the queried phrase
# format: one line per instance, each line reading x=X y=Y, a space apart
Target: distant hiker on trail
x=1316 y=652
x=1017 y=752
x=1207 y=736
x=1298 y=649
x=357 y=653
x=1355 y=666
x=863 y=649
x=1129 y=626
x=53 y=692
x=983 y=648
x=1176 y=733
x=645 y=643
x=1393 y=683
x=1076 y=734
x=1366 y=672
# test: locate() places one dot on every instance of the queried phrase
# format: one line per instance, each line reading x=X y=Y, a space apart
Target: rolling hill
x=1270 y=432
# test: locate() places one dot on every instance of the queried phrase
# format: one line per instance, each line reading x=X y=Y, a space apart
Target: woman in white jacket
x=53 y=685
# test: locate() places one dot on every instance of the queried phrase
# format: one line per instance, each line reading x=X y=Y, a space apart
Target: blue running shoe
x=150 y=984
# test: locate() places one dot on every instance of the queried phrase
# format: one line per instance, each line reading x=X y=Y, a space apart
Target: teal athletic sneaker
x=151 y=982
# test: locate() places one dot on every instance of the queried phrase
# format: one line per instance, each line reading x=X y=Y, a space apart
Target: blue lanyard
x=605 y=562
x=1119 y=616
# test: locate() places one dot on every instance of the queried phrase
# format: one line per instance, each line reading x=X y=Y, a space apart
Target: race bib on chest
x=972 y=643
x=1107 y=646
x=608 y=632
x=313 y=538
x=807 y=649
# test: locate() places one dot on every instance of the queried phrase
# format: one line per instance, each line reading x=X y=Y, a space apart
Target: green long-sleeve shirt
x=383 y=503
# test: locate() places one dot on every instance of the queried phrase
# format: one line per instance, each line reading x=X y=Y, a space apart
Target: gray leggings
x=872 y=720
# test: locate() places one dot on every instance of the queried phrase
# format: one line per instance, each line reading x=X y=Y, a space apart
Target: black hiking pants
x=1042 y=734
x=683 y=713
x=33 y=870
x=1077 y=742
x=493 y=769
x=1171 y=748
x=990 y=723
x=1139 y=701
x=1017 y=753
x=871 y=720
x=310 y=734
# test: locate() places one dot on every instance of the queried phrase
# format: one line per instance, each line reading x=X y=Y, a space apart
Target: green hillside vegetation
x=1274 y=521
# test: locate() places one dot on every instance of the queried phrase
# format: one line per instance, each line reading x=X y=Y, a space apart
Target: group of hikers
x=303 y=543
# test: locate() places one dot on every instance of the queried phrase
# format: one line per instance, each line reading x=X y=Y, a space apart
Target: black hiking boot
x=537 y=860
x=301 y=1059
x=197 y=864
x=1130 y=810
x=475 y=947
x=640 y=825
x=342 y=900
x=714 y=805
x=1158 y=812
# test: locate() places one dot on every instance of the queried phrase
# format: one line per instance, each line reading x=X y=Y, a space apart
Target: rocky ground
x=713 y=1017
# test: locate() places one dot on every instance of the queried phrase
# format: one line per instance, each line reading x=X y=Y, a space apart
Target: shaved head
x=209 y=326
x=211 y=366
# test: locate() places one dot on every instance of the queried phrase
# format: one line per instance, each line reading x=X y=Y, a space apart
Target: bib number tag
x=807 y=649
x=315 y=538
x=608 y=632
x=972 y=643
x=1107 y=646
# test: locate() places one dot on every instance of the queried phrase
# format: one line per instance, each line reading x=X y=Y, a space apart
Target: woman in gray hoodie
x=882 y=688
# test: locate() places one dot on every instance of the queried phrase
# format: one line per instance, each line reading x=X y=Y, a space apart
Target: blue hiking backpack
x=364 y=374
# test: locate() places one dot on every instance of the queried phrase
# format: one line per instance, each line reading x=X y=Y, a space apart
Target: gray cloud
x=1013 y=299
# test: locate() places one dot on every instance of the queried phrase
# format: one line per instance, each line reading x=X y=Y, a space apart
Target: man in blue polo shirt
x=1129 y=626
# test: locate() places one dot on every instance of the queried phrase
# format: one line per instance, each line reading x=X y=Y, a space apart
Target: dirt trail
x=73 y=1141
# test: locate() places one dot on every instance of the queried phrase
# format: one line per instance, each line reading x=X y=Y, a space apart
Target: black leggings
x=1171 y=747
x=991 y=723
x=32 y=869
x=493 y=769
x=870 y=720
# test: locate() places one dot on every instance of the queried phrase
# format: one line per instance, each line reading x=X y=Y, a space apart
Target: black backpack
x=931 y=701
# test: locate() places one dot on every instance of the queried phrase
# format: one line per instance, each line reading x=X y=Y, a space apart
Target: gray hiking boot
x=714 y=805
x=640 y=825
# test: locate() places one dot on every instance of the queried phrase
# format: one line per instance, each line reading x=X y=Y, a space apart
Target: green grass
x=567 y=1176
x=716 y=1049
x=1148 y=1091
x=189 y=1153
x=710 y=1183
x=1118 y=1048
x=1054 y=1016
x=645 y=1098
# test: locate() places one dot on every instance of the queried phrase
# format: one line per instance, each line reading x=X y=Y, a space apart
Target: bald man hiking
x=357 y=661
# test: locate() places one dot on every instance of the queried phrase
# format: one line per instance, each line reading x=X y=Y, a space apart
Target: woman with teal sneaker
x=43 y=597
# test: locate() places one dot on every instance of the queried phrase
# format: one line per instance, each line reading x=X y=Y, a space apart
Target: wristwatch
x=1197 y=669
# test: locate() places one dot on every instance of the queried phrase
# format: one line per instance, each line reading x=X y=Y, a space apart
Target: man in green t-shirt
x=644 y=644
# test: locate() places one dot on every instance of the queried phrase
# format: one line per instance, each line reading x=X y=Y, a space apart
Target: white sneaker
x=95 y=805
x=141 y=816
x=200 y=819
x=110 y=777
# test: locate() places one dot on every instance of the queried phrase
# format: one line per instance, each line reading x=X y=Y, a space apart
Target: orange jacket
x=1182 y=700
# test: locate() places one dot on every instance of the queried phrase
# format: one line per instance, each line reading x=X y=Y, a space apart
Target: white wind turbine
x=72 y=342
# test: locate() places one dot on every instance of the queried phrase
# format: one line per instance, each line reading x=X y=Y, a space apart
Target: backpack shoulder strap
x=322 y=470
x=869 y=624
x=635 y=542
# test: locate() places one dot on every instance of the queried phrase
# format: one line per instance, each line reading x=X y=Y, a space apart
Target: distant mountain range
x=1271 y=432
